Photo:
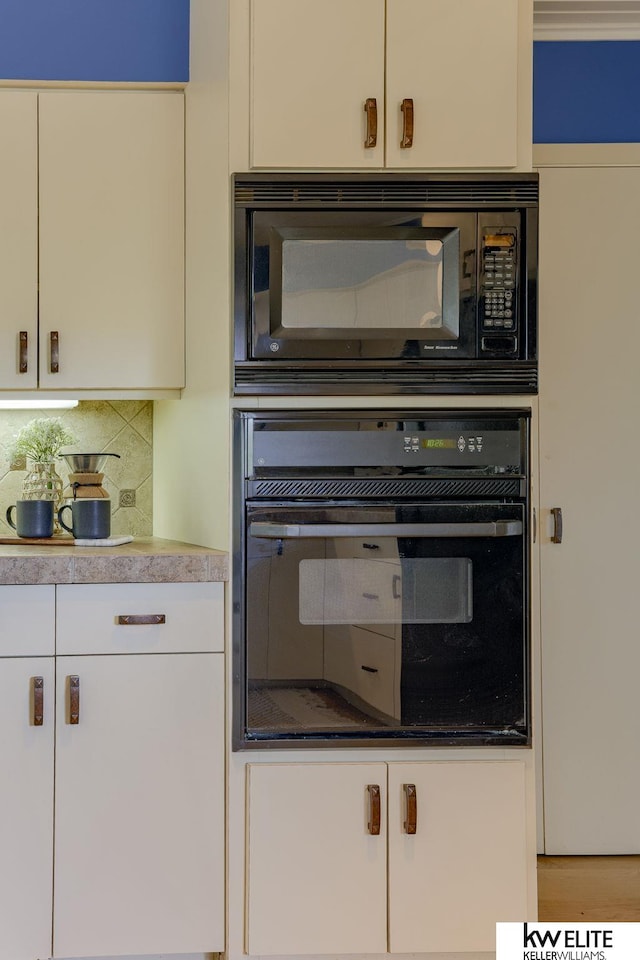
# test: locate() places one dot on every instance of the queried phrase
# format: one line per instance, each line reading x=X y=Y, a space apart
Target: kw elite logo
x=566 y=941
x=565 y=944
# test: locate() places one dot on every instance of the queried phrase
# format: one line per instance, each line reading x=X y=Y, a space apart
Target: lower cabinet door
x=316 y=874
x=139 y=864
x=465 y=867
x=26 y=807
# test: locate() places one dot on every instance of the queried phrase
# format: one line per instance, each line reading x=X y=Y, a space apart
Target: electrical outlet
x=127 y=498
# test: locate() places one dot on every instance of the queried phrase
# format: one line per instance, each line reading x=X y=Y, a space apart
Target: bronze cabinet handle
x=411 y=805
x=407 y=124
x=37 y=701
x=373 y=826
x=54 y=344
x=73 y=700
x=556 y=513
x=371 y=110
x=23 y=363
x=139 y=619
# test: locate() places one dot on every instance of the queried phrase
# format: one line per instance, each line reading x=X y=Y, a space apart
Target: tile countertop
x=144 y=560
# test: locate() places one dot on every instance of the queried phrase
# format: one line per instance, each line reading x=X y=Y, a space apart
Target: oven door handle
x=289 y=531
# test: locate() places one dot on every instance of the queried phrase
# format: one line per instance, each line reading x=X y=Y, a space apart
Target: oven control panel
x=383 y=445
x=414 y=443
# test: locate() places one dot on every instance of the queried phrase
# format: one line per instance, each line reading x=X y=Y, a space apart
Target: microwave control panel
x=498 y=285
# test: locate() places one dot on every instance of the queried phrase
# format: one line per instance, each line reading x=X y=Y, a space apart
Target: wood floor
x=581 y=889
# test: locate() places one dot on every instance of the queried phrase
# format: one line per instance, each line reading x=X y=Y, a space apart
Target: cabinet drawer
x=365 y=663
x=140 y=618
x=27 y=620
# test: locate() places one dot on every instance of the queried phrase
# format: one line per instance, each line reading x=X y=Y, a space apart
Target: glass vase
x=43 y=483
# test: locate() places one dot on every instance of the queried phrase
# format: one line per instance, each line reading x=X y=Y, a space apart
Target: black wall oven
x=363 y=284
x=380 y=581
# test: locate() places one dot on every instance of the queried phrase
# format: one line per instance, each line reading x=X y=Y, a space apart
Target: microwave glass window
x=362 y=591
x=353 y=284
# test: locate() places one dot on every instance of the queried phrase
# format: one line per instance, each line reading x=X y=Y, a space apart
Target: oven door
x=383 y=622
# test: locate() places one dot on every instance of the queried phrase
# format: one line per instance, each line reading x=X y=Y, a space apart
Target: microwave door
x=344 y=292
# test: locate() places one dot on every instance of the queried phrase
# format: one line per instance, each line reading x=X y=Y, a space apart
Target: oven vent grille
x=521 y=377
x=420 y=487
x=465 y=192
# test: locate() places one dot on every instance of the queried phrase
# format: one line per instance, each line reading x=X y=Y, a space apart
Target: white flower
x=41 y=439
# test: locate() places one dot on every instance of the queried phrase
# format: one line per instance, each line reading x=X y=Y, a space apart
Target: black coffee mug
x=34 y=518
x=90 y=519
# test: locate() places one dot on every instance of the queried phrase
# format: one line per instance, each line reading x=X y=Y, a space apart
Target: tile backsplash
x=100 y=426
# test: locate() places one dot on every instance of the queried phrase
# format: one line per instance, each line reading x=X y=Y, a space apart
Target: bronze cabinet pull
x=556 y=513
x=23 y=363
x=37 y=701
x=411 y=804
x=373 y=826
x=73 y=700
x=138 y=619
x=371 y=110
x=407 y=124
x=54 y=343
x=534 y=521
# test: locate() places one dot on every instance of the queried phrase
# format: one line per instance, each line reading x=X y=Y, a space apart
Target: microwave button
x=509 y=283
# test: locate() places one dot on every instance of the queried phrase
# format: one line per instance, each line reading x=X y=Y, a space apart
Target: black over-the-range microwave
x=385 y=283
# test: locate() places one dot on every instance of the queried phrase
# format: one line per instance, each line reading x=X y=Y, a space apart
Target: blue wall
x=104 y=40
x=586 y=91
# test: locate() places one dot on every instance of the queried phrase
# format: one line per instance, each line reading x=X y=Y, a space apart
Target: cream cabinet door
x=18 y=240
x=457 y=61
x=139 y=849
x=26 y=808
x=313 y=67
x=590 y=468
x=111 y=200
x=316 y=876
x=465 y=867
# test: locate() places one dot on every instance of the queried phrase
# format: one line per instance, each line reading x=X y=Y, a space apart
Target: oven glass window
x=350 y=284
x=362 y=591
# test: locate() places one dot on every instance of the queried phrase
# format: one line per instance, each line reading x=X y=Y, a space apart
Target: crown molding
x=586 y=20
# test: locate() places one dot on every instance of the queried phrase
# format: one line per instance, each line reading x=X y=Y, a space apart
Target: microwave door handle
x=289 y=531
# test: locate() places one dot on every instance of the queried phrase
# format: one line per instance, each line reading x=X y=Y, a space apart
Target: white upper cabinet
x=18 y=240
x=456 y=61
x=310 y=82
x=347 y=84
x=92 y=212
x=111 y=240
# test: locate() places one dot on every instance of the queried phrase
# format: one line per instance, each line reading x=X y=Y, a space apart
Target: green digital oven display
x=439 y=443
